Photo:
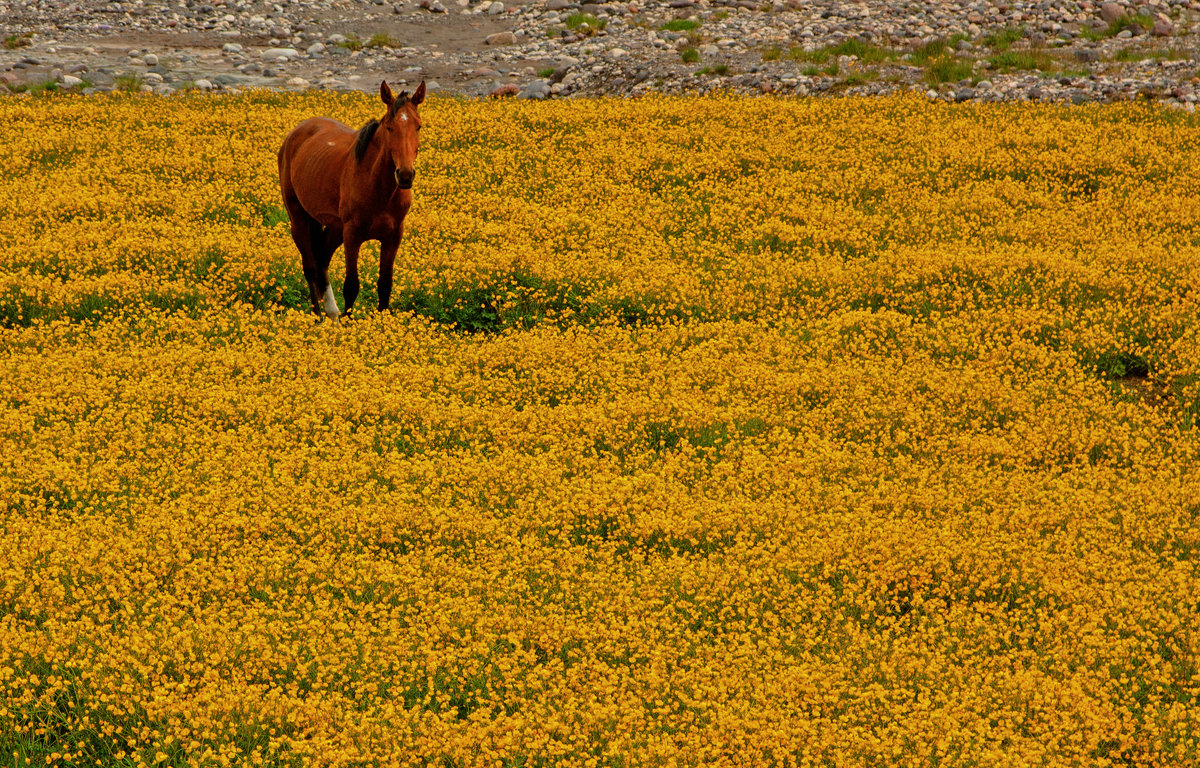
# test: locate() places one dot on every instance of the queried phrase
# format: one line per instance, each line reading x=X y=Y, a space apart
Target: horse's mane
x=364 y=138
x=367 y=132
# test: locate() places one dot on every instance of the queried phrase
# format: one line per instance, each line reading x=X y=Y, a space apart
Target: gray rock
x=964 y=94
x=70 y=81
x=500 y=38
x=1111 y=12
x=496 y=8
x=150 y=60
x=204 y=85
x=558 y=5
x=231 y=48
x=538 y=89
x=279 y=53
x=315 y=49
x=336 y=39
x=1163 y=27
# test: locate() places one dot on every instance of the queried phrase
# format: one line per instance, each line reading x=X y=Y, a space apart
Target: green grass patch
x=381 y=40
x=1009 y=61
x=680 y=25
x=863 y=51
x=12 y=42
x=577 y=20
x=545 y=72
x=131 y=82
x=690 y=54
x=1153 y=54
x=946 y=69
x=772 y=53
x=1114 y=365
x=857 y=78
x=1114 y=28
x=935 y=49
x=1002 y=40
x=830 y=70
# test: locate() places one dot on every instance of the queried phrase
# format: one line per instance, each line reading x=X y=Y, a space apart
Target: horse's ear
x=418 y=95
x=385 y=93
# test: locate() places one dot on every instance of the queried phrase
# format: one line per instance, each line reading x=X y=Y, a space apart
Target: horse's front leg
x=387 y=258
x=352 y=242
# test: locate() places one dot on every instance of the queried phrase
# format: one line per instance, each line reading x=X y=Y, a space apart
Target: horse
x=344 y=187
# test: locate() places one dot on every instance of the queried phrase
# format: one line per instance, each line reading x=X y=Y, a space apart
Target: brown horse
x=342 y=186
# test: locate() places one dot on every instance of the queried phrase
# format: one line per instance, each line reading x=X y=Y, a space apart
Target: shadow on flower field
x=703 y=432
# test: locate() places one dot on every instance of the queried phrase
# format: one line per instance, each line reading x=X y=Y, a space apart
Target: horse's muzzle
x=404 y=179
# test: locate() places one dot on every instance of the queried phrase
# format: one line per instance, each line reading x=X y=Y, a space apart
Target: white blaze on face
x=331 y=307
x=404 y=117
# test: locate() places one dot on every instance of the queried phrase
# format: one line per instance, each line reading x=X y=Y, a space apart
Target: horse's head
x=399 y=131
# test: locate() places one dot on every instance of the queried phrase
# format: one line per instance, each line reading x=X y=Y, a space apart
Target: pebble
x=150 y=60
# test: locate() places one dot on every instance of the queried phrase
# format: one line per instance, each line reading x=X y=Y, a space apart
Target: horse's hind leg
x=325 y=243
x=306 y=233
x=322 y=290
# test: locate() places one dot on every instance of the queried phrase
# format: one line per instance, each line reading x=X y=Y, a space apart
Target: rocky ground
x=988 y=49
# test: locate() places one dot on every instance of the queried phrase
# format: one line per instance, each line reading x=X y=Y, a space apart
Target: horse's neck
x=377 y=173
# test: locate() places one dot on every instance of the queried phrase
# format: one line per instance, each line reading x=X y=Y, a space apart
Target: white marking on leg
x=331 y=307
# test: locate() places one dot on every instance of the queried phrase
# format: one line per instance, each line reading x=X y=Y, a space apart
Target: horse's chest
x=382 y=225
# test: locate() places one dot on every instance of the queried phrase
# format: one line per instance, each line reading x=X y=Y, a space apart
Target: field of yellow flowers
x=703 y=432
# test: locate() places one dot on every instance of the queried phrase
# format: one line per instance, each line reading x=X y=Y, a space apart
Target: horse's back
x=311 y=160
x=325 y=130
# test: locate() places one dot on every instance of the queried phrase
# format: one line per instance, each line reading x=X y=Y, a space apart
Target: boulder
x=1112 y=12
x=501 y=38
